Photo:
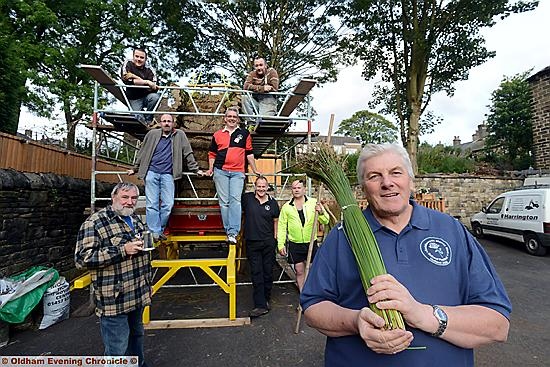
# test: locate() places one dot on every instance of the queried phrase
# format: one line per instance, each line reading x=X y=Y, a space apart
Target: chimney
x=28 y=132
x=456 y=141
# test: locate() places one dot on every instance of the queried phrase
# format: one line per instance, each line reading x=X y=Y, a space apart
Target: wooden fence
x=26 y=155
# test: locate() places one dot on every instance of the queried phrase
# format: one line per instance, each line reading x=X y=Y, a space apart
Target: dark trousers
x=261 y=257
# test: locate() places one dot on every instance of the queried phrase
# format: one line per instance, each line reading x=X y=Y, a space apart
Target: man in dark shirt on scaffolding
x=134 y=72
x=261 y=81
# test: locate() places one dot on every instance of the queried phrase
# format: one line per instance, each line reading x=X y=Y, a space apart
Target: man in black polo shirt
x=261 y=213
x=134 y=72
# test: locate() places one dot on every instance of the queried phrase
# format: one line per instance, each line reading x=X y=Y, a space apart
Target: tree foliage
x=368 y=127
x=443 y=159
x=297 y=38
x=509 y=123
x=420 y=48
x=86 y=32
x=24 y=34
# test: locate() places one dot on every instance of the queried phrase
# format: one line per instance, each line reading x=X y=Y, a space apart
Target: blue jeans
x=158 y=186
x=148 y=102
x=229 y=186
x=264 y=104
x=123 y=334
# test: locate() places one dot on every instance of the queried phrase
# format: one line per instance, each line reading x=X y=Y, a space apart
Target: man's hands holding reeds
x=387 y=293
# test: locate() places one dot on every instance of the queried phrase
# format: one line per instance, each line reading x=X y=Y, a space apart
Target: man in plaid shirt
x=108 y=245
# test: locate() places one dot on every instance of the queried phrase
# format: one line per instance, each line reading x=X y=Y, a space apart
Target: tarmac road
x=270 y=340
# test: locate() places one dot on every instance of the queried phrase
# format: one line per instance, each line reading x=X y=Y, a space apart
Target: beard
x=123 y=211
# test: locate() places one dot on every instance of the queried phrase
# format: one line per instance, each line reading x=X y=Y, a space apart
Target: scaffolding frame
x=266 y=130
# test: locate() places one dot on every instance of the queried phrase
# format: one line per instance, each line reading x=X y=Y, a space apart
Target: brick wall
x=39 y=218
x=540 y=90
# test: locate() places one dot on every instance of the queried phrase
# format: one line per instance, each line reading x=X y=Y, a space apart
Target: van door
x=493 y=215
x=523 y=213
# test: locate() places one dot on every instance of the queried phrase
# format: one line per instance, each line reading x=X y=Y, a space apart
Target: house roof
x=538 y=74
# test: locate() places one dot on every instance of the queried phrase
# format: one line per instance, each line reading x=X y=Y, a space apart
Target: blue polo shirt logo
x=436 y=250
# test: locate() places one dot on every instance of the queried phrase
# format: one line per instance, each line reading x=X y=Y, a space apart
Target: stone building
x=477 y=145
x=540 y=90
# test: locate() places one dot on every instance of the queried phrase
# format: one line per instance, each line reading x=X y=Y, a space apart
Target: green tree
x=296 y=37
x=368 y=127
x=25 y=32
x=87 y=32
x=420 y=48
x=443 y=159
x=509 y=122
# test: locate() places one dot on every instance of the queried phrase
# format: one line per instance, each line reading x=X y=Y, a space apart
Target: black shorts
x=297 y=252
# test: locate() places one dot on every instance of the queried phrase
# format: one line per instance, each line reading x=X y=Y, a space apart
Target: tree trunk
x=412 y=135
x=70 y=124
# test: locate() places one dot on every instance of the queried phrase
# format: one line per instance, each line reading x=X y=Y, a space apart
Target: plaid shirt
x=121 y=282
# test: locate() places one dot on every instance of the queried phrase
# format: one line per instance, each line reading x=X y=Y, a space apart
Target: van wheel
x=478 y=231
x=533 y=245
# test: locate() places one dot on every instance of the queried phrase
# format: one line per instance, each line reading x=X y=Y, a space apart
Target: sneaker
x=257 y=312
x=231 y=238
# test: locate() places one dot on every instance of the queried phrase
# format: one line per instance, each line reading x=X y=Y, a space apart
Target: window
x=496 y=206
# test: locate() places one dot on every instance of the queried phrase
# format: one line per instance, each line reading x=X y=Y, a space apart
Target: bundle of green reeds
x=325 y=165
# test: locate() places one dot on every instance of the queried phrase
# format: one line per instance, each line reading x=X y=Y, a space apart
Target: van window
x=496 y=206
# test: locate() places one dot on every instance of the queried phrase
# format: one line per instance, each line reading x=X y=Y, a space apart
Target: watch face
x=440 y=314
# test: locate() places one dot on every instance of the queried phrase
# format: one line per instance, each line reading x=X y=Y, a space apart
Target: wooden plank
x=82 y=281
x=300 y=92
x=105 y=80
x=195 y=323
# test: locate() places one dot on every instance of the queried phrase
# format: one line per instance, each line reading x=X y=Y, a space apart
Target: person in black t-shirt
x=261 y=213
x=135 y=72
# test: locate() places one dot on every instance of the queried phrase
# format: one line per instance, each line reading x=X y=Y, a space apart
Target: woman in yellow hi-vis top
x=296 y=223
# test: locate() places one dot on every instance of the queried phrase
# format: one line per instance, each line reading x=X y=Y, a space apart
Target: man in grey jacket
x=160 y=163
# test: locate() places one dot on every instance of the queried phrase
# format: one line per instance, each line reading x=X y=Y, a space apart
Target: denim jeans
x=123 y=334
x=148 y=102
x=229 y=186
x=159 y=200
x=259 y=104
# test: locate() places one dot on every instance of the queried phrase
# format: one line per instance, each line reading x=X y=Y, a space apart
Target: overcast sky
x=521 y=42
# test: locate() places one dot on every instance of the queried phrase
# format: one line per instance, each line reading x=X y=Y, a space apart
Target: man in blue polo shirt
x=439 y=278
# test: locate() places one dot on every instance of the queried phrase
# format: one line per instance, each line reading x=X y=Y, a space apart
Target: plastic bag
x=56 y=303
x=32 y=284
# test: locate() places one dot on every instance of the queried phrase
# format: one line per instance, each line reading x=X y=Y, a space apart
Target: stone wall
x=39 y=218
x=465 y=194
x=540 y=91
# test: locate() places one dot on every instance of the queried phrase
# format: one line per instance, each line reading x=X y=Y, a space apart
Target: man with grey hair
x=439 y=278
x=109 y=246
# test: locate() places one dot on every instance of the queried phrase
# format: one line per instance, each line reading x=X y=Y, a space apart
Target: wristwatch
x=441 y=317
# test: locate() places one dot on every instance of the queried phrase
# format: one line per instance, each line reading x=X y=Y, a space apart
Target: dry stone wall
x=40 y=215
x=465 y=194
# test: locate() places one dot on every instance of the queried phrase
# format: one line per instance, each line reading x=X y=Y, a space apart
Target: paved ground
x=270 y=340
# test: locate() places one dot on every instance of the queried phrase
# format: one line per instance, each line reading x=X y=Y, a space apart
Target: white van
x=522 y=215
